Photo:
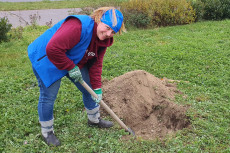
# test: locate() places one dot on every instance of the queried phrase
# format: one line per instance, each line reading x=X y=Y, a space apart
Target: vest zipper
x=41 y=58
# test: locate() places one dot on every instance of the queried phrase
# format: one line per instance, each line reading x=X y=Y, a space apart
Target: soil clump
x=145 y=104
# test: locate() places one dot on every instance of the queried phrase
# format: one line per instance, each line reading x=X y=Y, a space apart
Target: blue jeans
x=49 y=95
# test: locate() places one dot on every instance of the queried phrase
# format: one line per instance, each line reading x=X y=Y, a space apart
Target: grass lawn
x=198 y=53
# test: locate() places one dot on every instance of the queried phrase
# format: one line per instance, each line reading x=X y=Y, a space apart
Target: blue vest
x=47 y=71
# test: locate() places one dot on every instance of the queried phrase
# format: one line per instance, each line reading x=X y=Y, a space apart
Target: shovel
x=114 y=116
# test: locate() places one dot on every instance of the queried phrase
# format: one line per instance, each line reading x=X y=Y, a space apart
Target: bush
x=4 y=28
x=16 y=33
x=198 y=6
x=216 y=9
x=158 y=12
x=212 y=9
x=137 y=19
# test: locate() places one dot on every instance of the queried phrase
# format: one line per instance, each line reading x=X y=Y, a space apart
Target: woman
x=74 y=47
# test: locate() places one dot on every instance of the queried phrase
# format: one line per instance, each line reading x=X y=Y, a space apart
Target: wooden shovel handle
x=114 y=116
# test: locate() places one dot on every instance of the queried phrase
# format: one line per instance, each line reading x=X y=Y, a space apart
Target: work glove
x=75 y=74
x=99 y=95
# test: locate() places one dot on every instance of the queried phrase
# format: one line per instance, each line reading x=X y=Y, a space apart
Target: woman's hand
x=75 y=74
x=99 y=95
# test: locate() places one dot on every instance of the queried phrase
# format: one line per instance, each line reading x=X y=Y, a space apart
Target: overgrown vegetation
x=150 y=13
x=211 y=9
x=5 y=27
x=197 y=53
x=16 y=33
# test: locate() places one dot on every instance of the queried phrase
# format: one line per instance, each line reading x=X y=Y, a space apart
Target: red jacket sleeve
x=95 y=70
x=66 y=37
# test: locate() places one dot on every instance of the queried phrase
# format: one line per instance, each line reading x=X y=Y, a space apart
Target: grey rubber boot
x=48 y=133
x=101 y=124
x=95 y=120
x=51 y=139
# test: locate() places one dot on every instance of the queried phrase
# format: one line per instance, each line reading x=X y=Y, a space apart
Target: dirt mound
x=144 y=103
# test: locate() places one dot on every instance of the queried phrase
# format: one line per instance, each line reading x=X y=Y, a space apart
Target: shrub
x=4 y=28
x=216 y=9
x=16 y=33
x=158 y=12
x=137 y=19
x=212 y=9
x=198 y=6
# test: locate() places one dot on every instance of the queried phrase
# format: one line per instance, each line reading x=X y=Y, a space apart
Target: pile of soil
x=145 y=104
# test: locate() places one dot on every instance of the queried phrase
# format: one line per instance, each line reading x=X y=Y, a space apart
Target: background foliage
x=147 y=13
x=212 y=9
x=5 y=27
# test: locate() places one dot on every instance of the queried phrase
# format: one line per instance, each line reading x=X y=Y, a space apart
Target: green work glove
x=75 y=74
x=99 y=95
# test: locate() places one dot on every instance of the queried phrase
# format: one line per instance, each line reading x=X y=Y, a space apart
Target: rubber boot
x=101 y=124
x=51 y=139
x=48 y=133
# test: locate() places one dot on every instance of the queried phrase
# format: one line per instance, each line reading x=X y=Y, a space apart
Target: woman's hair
x=97 y=14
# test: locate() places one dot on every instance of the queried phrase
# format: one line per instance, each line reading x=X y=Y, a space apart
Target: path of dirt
x=40 y=17
x=145 y=104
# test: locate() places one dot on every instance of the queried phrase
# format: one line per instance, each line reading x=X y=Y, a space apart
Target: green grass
x=198 y=53
x=46 y=4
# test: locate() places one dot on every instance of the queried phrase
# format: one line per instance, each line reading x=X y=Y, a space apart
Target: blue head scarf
x=108 y=18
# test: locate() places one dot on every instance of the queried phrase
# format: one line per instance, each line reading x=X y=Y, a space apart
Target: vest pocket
x=41 y=58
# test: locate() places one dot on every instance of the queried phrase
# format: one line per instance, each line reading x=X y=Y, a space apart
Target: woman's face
x=104 y=31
